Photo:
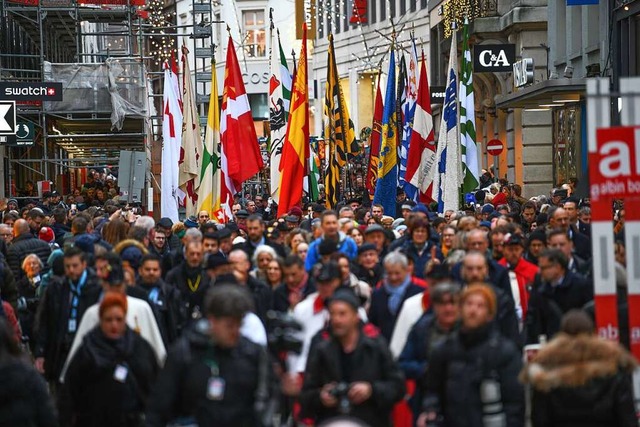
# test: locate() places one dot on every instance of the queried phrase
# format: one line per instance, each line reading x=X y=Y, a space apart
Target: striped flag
x=279 y=100
x=295 y=151
x=386 y=185
x=240 y=152
x=401 y=99
x=338 y=130
x=408 y=112
x=374 y=143
x=191 y=148
x=468 y=147
x=314 y=178
x=448 y=177
x=171 y=138
x=421 y=161
x=209 y=188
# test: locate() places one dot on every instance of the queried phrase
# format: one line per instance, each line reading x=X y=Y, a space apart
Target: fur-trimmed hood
x=129 y=242
x=568 y=361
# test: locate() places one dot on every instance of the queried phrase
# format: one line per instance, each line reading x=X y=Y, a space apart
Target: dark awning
x=545 y=92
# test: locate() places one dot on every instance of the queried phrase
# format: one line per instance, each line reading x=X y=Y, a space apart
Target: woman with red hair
x=109 y=379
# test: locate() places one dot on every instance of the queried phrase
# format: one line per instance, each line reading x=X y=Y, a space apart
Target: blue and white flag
x=448 y=179
x=408 y=112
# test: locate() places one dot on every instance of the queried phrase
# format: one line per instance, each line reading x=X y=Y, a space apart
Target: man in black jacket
x=560 y=290
x=297 y=285
x=191 y=279
x=350 y=370
x=262 y=294
x=166 y=303
x=473 y=376
x=24 y=243
x=60 y=312
x=255 y=234
x=213 y=376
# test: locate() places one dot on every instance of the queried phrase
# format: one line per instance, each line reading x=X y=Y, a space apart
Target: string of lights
x=162 y=42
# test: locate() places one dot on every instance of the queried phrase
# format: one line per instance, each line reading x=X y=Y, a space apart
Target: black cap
x=165 y=222
x=328 y=271
x=345 y=295
x=291 y=218
x=327 y=247
x=116 y=274
x=538 y=235
x=225 y=233
x=216 y=260
x=242 y=214
x=232 y=227
x=367 y=247
x=373 y=228
x=513 y=239
x=560 y=192
x=318 y=208
x=54 y=193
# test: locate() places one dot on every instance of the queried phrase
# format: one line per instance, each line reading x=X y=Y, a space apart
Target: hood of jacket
x=568 y=361
x=121 y=246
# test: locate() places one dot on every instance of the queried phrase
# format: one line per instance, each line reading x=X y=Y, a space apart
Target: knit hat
x=133 y=255
x=486 y=292
x=113 y=299
x=488 y=208
x=420 y=208
x=345 y=295
x=47 y=234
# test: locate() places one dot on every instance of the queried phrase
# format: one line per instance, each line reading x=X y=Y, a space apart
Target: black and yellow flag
x=339 y=131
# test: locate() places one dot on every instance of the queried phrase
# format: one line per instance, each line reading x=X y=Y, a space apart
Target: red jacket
x=499 y=199
x=525 y=274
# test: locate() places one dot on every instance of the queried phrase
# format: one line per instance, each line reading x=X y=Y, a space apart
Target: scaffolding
x=101 y=54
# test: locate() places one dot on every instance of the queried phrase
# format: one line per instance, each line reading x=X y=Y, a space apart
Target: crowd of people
x=110 y=318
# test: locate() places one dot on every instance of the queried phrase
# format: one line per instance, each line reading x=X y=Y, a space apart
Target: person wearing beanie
x=109 y=380
x=356 y=357
x=474 y=373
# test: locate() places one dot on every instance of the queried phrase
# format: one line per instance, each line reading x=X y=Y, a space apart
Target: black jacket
x=371 y=362
x=547 y=305
x=281 y=295
x=21 y=247
x=169 y=309
x=181 y=389
x=581 y=381
x=93 y=397
x=461 y=365
x=379 y=313
x=250 y=249
x=262 y=297
x=53 y=340
x=180 y=277
x=372 y=277
x=581 y=244
x=8 y=287
x=24 y=398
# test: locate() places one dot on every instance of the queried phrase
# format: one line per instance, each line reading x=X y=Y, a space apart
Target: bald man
x=24 y=243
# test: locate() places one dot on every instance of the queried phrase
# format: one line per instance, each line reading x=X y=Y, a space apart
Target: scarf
x=396 y=293
x=295 y=294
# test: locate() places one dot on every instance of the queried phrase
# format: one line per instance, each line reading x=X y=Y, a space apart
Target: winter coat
x=379 y=313
x=181 y=388
x=92 y=396
x=371 y=362
x=346 y=245
x=262 y=297
x=581 y=381
x=169 y=309
x=21 y=247
x=179 y=278
x=420 y=260
x=24 y=398
x=281 y=295
x=525 y=275
x=8 y=287
x=547 y=305
x=460 y=366
x=53 y=340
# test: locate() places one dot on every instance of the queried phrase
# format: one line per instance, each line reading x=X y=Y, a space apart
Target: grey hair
x=193 y=234
x=263 y=249
x=145 y=222
x=439 y=291
x=28 y=259
x=396 y=258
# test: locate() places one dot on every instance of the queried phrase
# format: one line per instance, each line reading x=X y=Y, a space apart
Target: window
x=259 y=106
x=255 y=44
x=115 y=39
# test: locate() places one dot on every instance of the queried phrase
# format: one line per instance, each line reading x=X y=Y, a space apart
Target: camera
x=341 y=393
x=282 y=335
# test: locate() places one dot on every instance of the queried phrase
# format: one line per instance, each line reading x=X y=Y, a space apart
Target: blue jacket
x=420 y=260
x=346 y=245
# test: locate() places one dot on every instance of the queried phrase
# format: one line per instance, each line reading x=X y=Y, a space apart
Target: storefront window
x=566 y=144
x=255 y=33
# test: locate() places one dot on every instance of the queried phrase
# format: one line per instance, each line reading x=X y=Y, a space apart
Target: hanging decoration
x=162 y=42
x=455 y=11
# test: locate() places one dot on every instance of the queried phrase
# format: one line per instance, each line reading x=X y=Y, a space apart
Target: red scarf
x=318 y=305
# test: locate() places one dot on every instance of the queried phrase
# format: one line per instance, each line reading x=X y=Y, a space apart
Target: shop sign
x=306 y=12
x=494 y=58
x=523 y=72
x=31 y=91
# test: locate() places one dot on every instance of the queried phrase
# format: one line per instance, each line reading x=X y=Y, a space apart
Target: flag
x=295 y=151
x=338 y=130
x=448 y=177
x=191 y=148
x=374 y=143
x=209 y=187
x=421 y=160
x=279 y=100
x=386 y=185
x=408 y=112
x=171 y=137
x=240 y=152
x=314 y=178
x=401 y=97
x=468 y=147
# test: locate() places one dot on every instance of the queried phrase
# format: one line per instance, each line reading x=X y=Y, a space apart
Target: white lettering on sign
x=616 y=164
x=488 y=59
x=523 y=72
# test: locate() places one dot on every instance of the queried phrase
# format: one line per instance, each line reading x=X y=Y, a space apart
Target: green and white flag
x=468 y=147
x=279 y=100
x=314 y=177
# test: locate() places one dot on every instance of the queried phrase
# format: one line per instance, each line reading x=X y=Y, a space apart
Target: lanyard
x=153 y=295
x=76 y=292
x=211 y=362
x=194 y=286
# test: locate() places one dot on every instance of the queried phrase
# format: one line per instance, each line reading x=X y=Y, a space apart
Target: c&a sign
x=490 y=58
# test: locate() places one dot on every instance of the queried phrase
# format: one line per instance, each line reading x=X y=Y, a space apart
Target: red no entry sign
x=495 y=147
